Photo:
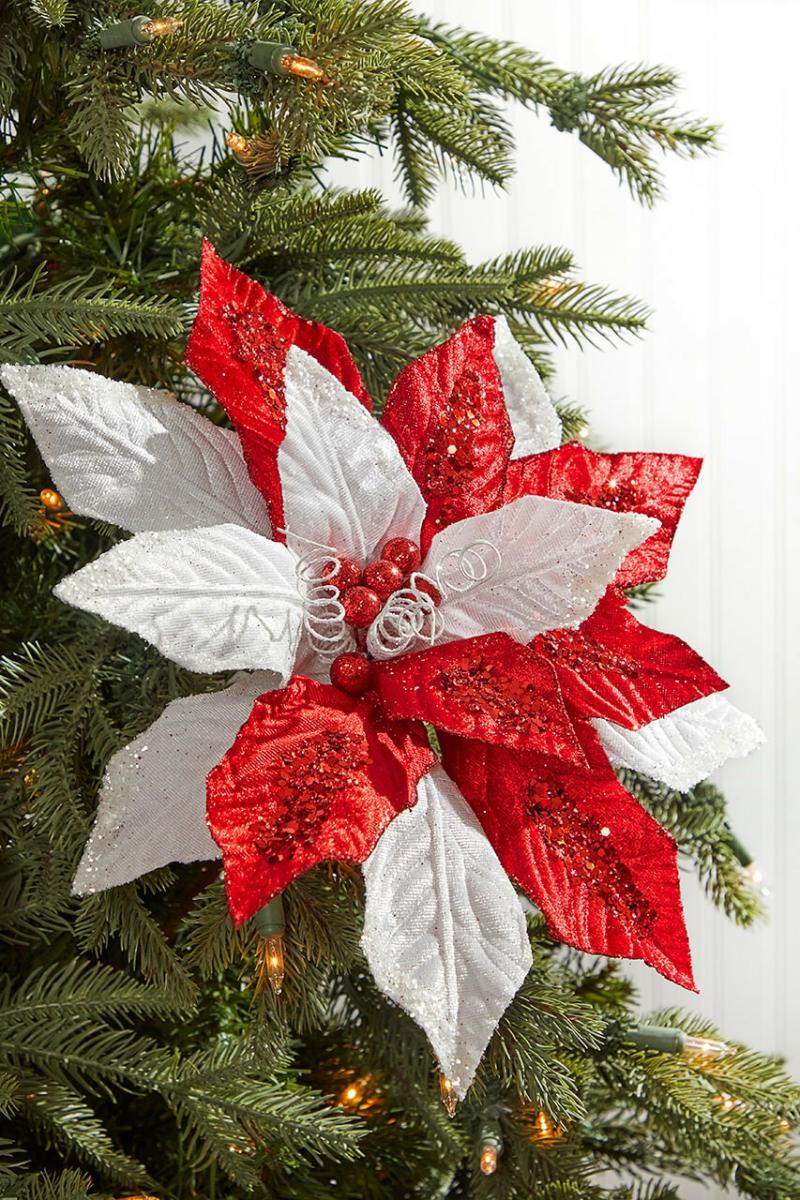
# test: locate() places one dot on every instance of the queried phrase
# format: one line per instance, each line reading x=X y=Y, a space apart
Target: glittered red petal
x=447 y=414
x=313 y=775
x=614 y=667
x=238 y=347
x=602 y=871
x=490 y=688
x=655 y=484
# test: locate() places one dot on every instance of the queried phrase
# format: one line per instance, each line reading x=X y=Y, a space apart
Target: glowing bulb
x=51 y=499
x=488 y=1159
x=161 y=26
x=271 y=965
x=582 y=431
x=544 y=1129
x=236 y=143
x=302 y=68
x=753 y=875
x=703 y=1049
x=29 y=779
x=353 y=1094
x=449 y=1097
x=726 y=1102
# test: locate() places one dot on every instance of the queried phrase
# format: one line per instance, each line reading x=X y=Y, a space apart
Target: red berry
x=403 y=553
x=351 y=673
x=361 y=606
x=383 y=577
x=430 y=589
x=346 y=575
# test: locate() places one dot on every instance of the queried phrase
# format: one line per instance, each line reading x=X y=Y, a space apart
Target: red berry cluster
x=363 y=594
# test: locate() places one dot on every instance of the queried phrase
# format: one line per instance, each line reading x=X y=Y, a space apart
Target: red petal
x=238 y=347
x=490 y=688
x=313 y=775
x=655 y=484
x=447 y=414
x=603 y=872
x=614 y=667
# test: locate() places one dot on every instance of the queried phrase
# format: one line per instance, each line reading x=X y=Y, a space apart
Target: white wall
x=719 y=259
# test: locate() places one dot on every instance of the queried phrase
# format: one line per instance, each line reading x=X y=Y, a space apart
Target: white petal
x=533 y=565
x=686 y=745
x=152 y=808
x=217 y=599
x=444 y=933
x=134 y=456
x=344 y=482
x=534 y=420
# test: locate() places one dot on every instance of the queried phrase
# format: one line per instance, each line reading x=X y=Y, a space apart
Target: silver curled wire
x=462 y=570
x=323 y=612
x=408 y=617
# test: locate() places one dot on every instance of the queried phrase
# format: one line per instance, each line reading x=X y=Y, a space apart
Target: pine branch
x=76 y=312
x=697 y=819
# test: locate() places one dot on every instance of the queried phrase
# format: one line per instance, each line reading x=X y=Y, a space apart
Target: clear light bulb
x=302 y=68
x=161 y=26
x=705 y=1049
x=236 y=142
x=488 y=1159
x=449 y=1098
x=271 y=964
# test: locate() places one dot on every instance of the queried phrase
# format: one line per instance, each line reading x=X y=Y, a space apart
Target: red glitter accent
x=383 y=577
x=574 y=648
x=303 y=787
x=361 y=606
x=615 y=667
x=346 y=575
x=352 y=673
x=588 y=855
x=404 y=553
x=447 y=414
x=238 y=347
x=616 y=893
x=655 y=484
x=487 y=687
x=314 y=775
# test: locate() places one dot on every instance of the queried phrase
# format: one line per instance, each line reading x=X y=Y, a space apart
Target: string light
x=29 y=778
x=138 y=31
x=544 y=1128
x=271 y=925
x=448 y=1095
x=277 y=59
x=51 y=499
x=158 y=27
x=237 y=143
x=491 y=1143
x=488 y=1160
x=702 y=1051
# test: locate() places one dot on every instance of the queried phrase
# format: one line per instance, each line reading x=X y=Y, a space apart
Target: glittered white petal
x=534 y=420
x=134 y=456
x=533 y=565
x=686 y=745
x=444 y=933
x=344 y=482
x=217 y=599
x=152 y=808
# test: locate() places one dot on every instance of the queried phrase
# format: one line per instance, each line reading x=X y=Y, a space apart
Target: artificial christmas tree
x=139 y=1051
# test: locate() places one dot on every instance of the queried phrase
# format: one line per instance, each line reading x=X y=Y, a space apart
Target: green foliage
x=698 y=821
x=132 y=1046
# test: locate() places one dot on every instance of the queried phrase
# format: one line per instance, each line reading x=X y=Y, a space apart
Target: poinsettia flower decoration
x=451 y=564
